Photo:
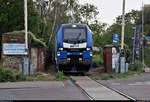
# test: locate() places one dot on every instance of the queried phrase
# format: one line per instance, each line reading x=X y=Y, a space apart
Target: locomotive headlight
x=74 y=25
x=60 y=48
x=91 y=54
x=58 y=54
x=88 y=49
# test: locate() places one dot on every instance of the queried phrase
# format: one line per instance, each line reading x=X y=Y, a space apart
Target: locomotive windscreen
x=74 y=35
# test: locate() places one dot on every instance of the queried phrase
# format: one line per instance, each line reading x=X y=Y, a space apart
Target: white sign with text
x=14 y=49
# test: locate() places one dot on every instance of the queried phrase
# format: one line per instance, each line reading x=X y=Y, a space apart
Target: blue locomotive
x=74 y=51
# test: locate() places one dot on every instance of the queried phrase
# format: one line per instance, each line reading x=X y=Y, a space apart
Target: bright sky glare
x=110 y=9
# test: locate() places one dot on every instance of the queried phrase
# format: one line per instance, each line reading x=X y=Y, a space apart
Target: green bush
x=137 y=66
x=147 y=57
x=97 y=60
x=10 y=75
x=61 y=76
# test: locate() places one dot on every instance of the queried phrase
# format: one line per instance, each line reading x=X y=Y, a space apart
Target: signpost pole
x=134 y=28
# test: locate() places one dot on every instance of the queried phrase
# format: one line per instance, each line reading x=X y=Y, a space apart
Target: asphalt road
x=64 y=91
x=137 y=87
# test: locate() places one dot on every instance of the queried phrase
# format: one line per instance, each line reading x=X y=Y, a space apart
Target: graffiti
x=12 y=61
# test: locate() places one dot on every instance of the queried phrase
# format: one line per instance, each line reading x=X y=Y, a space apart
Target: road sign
x=148 y=42
x=115 y=38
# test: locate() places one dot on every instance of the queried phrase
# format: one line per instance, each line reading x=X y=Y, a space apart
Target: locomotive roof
x=70 y=25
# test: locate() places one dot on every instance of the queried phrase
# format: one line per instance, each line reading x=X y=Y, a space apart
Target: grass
x=12 y=75
x=38 y=78
x=105 y=76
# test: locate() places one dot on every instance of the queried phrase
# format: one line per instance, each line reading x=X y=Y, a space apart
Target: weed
x=96 y=78
x=61 y=76
x=105 y=76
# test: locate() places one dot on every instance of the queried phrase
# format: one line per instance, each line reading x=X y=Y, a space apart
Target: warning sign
x=148 y=42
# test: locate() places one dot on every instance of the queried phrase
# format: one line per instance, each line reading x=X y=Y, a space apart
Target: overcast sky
x=110 y=9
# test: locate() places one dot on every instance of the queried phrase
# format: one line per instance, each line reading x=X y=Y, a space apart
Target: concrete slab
x=96 y=90
x=136 y=87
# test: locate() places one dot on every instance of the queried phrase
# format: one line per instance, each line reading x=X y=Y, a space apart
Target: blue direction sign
x=148 y=38
x=115 y=38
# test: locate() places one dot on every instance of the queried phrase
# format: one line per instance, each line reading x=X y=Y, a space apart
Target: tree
x=131 y=17
x=97 y=29
x=12 y=16
x=146 y=19
x=88 y=12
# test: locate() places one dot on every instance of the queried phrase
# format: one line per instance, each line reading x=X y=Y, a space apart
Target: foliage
x=44 y=17
x=147 y=56
x=105 y=76
x=137 y=66
x=97 y=29
x=146 y=19
x=61 y=76
x=32 y=39
x=97 y=60
x=88 y=11
x=131 y=17
x=53 y=13
x=12 y=17
x=11 y=20
x=10 y=75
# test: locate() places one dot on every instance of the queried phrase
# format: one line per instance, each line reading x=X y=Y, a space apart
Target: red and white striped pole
x=26 y=24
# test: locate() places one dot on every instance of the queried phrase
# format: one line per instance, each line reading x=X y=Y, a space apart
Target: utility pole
x=26 y=24
x=122 y=52
x=25 y=58
x=123 y=24
x=142 y=35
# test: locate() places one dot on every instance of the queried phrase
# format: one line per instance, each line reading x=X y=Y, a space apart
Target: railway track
x=96 y=91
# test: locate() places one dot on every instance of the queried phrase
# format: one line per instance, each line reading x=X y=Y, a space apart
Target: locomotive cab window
x=74 y=35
